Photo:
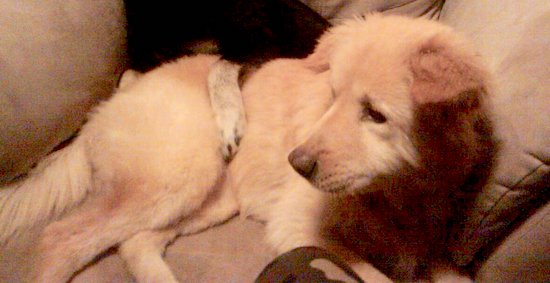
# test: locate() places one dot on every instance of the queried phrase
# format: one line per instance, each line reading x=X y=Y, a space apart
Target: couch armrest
x=57 y=59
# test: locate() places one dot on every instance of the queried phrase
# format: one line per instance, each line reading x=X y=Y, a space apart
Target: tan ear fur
x=318 y=61
x=443 y=69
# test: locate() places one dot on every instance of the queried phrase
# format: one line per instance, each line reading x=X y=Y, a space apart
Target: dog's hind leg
x=143 y=255
x=69 y=244
x=225 y=97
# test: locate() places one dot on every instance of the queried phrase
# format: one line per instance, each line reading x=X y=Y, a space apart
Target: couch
x=59 y=58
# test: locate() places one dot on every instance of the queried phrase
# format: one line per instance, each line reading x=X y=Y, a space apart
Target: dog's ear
x=318 y=61
x=444 y=69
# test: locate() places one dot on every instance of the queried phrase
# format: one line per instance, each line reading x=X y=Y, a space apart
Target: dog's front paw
x=232 y=130
x=225 y=96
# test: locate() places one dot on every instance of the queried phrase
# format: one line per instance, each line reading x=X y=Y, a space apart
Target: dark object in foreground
x=308 y=264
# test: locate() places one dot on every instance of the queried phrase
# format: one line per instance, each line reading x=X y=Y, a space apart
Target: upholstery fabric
x=337 y=10
x=523 y=256
x=514 y=38
x=57 y=59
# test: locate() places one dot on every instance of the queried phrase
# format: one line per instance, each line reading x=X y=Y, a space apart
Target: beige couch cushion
x=514 y=39
x=57 y=59
x=523 y=256
x=336 y=10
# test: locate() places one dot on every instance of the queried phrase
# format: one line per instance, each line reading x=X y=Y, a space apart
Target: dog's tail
x=58 y=183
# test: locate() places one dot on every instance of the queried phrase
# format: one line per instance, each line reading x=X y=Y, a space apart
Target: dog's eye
x=369 y=114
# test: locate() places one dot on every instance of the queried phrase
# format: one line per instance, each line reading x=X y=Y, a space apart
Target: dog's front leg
x=297 y=221
x=225 y=97
x=369 y=273
x=143 y=256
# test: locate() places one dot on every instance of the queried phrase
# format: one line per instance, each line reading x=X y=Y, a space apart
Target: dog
x=146 y=159
x=373 y=147
x=246 y=34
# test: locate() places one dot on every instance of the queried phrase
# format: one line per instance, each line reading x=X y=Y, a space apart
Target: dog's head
x=407 y=93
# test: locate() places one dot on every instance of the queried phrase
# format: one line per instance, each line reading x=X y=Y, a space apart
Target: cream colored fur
x=155 y=147
x=58 y=183
x=147 y=160
x=315 y=105
x=284 y=100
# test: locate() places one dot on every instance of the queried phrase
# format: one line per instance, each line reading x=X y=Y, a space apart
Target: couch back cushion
x=514 y=39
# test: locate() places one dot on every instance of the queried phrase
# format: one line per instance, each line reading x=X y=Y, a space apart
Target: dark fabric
x=296 y=267
x=242 y=31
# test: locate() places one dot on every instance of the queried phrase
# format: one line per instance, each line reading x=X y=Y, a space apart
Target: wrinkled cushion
x=523 y=256
x=57 y=59
x=514 y=39
x=337 y=10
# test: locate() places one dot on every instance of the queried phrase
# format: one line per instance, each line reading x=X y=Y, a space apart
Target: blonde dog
x=388 y=140
x=389 y=114
x=148 y=158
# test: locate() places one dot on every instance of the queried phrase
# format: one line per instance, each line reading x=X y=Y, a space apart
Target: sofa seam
x=522 y=235
x=537 y=158
x=483 y=221
x=499 y=200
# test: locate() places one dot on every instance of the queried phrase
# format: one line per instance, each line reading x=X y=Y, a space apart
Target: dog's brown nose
x=303 y=163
